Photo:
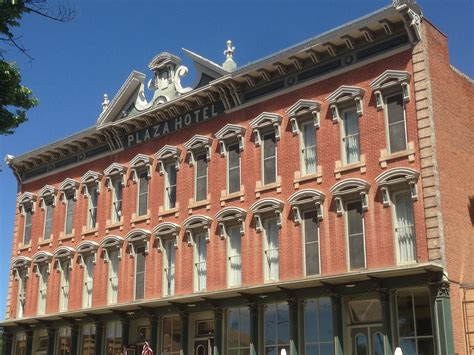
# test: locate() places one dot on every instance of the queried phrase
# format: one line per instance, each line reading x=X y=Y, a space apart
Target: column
x=386 y=317
x=7 y=342
x=51 y=337
x=74 y=339
x=338 y=326
x=154 y=333
x=294 y=325
x=29 y=341
x=442 y=318
x=99 y=334
x=218 y=331
x=254 y=325
x=184 y=332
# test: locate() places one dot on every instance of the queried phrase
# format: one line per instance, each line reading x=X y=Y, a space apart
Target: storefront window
x=318 y=326
x=88 y=339
x=171 y=336
x=20 y=344
x=64 y=341
x=238 y=331
x=113 y=338
x=276 y=328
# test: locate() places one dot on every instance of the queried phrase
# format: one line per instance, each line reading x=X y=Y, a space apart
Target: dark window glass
x=234 y=168
x=27 y=232
x=113 y=339
x=48 y=219
x=201 y=177
x=171 y=336
x=117 y=200
x=311 y=237
x=351 y=137
x=170 y=188
x=69 y=214
x=318 y=331
x=143 y=194
x=396 y=123
x=92 y=212
x=276 y=328
x=355 y=233
x=140 y=273
x=269 y=158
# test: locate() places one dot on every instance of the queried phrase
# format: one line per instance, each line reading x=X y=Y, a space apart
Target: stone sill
x=172 y=211
x=22 y=247
x=139 y=219
x=43 y=242
x=259 y=188
x=109 y=226
x=385 y=157
x=341 y=168
x=318 y=176
x=199 y=204
x=64 y=237
x=90 y=232
x=226 y=197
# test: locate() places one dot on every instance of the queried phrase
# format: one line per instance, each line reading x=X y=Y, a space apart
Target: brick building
x=319 y=200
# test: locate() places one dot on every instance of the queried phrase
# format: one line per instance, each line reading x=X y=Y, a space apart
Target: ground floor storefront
x=370 y=315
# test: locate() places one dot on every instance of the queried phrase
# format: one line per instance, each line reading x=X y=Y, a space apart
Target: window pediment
x=195 y=224
x=140 y=162
x=229 y=215
x=19 y=264
x=26 y=201
x=90 y=179
x=167 y=153
x=115 y=170
x=63 y=254
x=347 y=188
x=196 y=143
x=68 y=186
x=166 y=230
x=136 y=237
x=42 y=258
x=86 y=248
x=265 y=120
x=47 y=196
x=228 y=133
x=267 y=206
x=342 y=95
x=302 y=109
x=306 y=199
x=397 y=177
x=111 y=242
x=391 y=79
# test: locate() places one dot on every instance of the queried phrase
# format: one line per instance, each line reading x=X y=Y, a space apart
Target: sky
x=75 y=63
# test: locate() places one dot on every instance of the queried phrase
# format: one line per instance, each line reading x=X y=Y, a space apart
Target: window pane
x=234 y=256
x=283 y=323
x=397 y=137
x=425 y=346
x=422 y=312
x=406 y=326
x=354 y=217
x=396 y=123
x=351 y=136
x=311 y=321
x=309 y=148
x=27 y=234
x=311 y=242
x=325 y=320
x=234 y=168
x=271 y=251
x=140 y=273
x=233 y=328
x=143 y=194
x=269 y=158
x=69 y=215
x=270 y=324
x=48 y=222
x=405 y=229
x=361 y=344
x=355 y=234
x=170 y=187
x=201 y=177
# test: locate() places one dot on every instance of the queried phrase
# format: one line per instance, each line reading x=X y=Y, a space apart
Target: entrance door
x=204 y=346
x=368 y=340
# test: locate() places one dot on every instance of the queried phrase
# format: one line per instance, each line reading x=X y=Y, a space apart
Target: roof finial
x=106 y=102
x=229 y=63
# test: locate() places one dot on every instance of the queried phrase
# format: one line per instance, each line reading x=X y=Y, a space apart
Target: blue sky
x=76 y=63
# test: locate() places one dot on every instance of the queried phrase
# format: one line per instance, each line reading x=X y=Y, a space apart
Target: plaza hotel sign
x=163 y=128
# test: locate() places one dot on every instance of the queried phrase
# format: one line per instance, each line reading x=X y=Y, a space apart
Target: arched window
x=197 y=229
x=20 y=267
x=398 y=188
x=47 y=202
x=42 y=267
x=268 y=219
x=87 y=254
x=168 y=166
x=140 y=167
x=351 y=200
x=138 y=244
x=308 y=211
x=166 y=235
x=115 y=181
x=63 y=257
x=90 y=182
x=198 y=151
x=26 y=205
x=231 y=225
x=112 y=252
x=68 y=195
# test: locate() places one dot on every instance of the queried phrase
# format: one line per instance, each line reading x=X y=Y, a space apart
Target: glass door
x=368 y=340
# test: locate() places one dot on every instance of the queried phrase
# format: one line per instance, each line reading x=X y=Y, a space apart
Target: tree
x=16 y=99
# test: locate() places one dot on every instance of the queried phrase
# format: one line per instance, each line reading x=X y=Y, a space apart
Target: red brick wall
x=453 y=106
x=379 y=236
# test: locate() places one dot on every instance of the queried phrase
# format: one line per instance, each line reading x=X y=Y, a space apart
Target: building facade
x=308 y=201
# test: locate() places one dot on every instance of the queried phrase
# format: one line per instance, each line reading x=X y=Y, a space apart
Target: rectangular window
x=170 y=186
x=140 y=273
x=308 y=148
x=350 y=137
x=92 y=207
x=201 y=177
x=318 y=326
x=42 y=287
x=311 y=242
x=88 y=339
x=88 y=281
x=171 y=336
x=238 y=331
x=69 y=214
x=27 y=229
x=269 y=157
x=404 y=226
x=270 y=229
x=233 y=168
x=142 y=194
x=64 y=286
x=355 y=234
x=169 y=268
x=48 y=221
x=64 y=341
x=20 y=308
x=116 y=200
x=20 y=343
x=113 y=338
x=396 y=123
x=415 y=328
x=200 y=256
x=112 y=289
x=234 y=257
x=276 y=328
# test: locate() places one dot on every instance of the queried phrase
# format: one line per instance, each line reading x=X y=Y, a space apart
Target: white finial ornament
x=106 y=102
x=229 y=63
x=398 y=351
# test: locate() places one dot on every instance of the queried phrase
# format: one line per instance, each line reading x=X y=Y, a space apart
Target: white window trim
x=266 y=272
x=196 y=177
x=262 y=122
x=196 y=236
x=166 y=155
x=395 y=224
x=262 y=161
x=135 y=237
x=226 y=149
x=113 y=190
x=302 y=146
x=303 y=241
x=387 y=128
x=166 y=266
x=90 y=182
x=343 y=135
x=229 y=134
x=45 y=209
x=228 y=263
x=137 y=202
x=346 y=231
x=167 y=185
x=345 y=95
x=347 y=189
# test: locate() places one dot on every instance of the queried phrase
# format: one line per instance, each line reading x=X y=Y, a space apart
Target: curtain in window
x=170 y=268
x=64 y=287
x=405 y=229
x=272 y=249
x=69 y=214
x=113 y=276
x=88 y=282
x=201 y=262
x=43 y=288
x=27 y=232
x=351 y=129
x=235 y=265
x=143 y=194
x=170 y=198
x=117 y=200
x=309 y=148
x=48 y=222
